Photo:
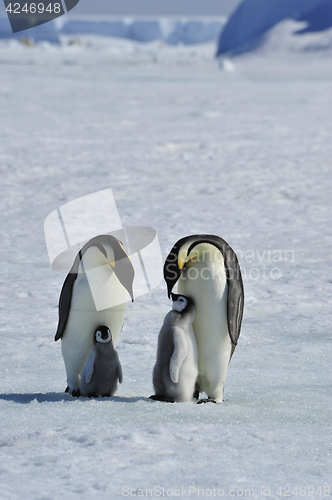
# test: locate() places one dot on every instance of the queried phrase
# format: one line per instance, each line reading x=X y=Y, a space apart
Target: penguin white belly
x=83 y=320
x=205 y=282
x=188 y=370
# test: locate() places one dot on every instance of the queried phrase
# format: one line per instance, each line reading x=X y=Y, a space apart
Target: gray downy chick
x=175 y=371
x=102 y=370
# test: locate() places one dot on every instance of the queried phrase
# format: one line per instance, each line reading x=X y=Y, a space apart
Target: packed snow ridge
x=172 y=31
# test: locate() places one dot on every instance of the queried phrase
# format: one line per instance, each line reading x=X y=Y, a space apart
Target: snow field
x=186 y=148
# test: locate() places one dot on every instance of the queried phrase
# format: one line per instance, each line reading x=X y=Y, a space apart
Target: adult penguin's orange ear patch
x=194 y=257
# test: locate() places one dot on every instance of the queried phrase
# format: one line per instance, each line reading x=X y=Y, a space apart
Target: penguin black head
x=103 y=335
x=181 y=303
x=179 y=255
x=172 y=271
x=122 y=266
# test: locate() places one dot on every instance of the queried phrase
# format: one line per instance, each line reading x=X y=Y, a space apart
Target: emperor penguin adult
x=175 y=371
x=102 y=370
x=95 y=292
x=207 y=270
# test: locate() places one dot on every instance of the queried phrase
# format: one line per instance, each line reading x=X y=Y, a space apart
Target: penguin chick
x=102 y=370
x=175 y=371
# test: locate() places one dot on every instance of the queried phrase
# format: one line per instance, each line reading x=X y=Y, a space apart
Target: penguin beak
x=182 y=258
x=181 y=262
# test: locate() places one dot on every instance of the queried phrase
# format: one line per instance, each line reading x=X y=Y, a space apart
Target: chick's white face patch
x=180 y=304
x=100 y=340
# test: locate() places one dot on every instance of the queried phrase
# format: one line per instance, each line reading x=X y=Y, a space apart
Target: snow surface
x=186 y=148
x=284 y=37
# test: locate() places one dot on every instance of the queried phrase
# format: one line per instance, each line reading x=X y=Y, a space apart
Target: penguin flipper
x=235 y=296
x=67 y=288
x=64 y=304
x=179 y=354
x=90 y=366
x=119 y=371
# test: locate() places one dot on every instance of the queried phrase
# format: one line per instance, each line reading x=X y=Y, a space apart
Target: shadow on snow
x=55 y=397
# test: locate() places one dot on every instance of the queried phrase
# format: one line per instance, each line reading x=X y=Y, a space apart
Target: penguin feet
x=208 y=400
x=76 y=392
x=196 y=391
x=157 y=397
x=196 y=394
